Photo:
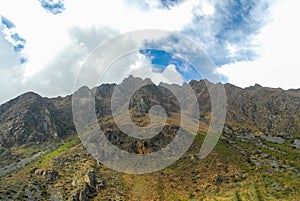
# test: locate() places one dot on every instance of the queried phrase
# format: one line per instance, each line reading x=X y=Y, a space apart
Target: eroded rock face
x=86 y=193
x=89 y=189
x=29 y=118
x=273 y=111
x=90 y=179
x=32 y=118
x=50 y=174
x=140 y=146
x=75 y=196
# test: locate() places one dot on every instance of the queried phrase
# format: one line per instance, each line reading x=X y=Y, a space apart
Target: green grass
x=291 y=157
x=257 y=193
x=237 y=196
x=45 y=159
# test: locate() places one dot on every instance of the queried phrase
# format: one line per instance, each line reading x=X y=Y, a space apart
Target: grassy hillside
x=235 y=170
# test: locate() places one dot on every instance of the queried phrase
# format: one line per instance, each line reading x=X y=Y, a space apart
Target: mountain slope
x=30 y=118
x=257 y=157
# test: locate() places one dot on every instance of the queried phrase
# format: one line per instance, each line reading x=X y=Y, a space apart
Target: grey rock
x=90 y=179
x=32 y=118
x=50 y=174
x=33 y=170
x=100 y=186
x=85 y=194
x=75 y=196
x=296 y=144
x=274 y=139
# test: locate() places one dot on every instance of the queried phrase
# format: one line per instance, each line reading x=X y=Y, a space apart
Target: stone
x=51 y=175
x=75 y=197
x=74 y=183
x=274 y=139
x=33 y=170
x=85 y=193
x=296 y=144
x=90 y=179
x=100 y=186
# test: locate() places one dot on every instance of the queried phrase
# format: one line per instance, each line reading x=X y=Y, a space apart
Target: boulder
x=50 y=174
x=296 y=144
x=273 y=139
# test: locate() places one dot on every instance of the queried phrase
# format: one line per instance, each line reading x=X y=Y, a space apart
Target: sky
x=44 y=43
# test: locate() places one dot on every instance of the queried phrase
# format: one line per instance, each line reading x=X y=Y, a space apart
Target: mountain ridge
x=32 y=118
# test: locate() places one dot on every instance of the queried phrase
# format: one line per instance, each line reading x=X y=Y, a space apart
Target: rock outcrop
x=91 y=187
x=31 y=118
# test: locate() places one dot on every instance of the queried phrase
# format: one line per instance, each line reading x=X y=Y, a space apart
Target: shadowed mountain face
x=256 y=158
x=32 y=118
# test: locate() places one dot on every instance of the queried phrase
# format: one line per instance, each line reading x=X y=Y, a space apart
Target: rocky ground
x=241 y=167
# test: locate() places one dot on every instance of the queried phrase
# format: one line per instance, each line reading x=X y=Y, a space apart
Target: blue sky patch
x=161 y=59
x=53 y=6
x=6 y=22
x=16 y=41
x=170 y=3
x=235 y=23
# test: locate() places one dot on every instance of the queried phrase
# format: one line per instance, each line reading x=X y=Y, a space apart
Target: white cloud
x=8 y=57
x=58 y=77
x=144 y=69
x=169 y=75
x=204 y=8
x=10 y=70
x=279 y=64
x=10 y=82
x=225 y=29
x=56 y=44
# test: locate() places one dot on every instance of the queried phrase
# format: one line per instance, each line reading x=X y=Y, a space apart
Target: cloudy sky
x=43 y=43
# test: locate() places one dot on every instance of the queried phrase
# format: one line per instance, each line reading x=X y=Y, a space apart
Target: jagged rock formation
x=32 y=118
x=273 y=111
x=90 y=188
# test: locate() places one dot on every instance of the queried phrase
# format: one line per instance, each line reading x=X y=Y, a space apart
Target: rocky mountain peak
x=256 y=86
x=32 y=118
